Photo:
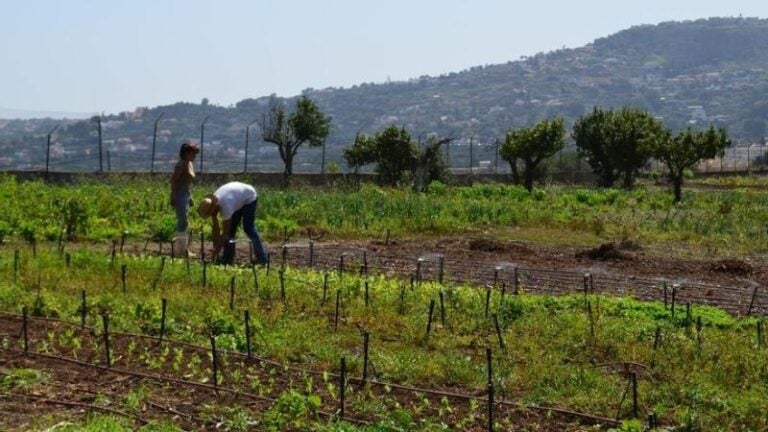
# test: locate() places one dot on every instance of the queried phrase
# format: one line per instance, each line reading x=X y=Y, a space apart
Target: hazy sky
x=93 y=56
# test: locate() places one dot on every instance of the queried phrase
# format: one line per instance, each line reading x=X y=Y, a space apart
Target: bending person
x=235 y=202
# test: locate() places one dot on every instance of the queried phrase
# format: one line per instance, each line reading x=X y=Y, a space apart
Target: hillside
x=694 y=72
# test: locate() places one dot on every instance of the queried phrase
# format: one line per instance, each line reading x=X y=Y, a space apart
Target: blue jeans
x=247 y=214
x=181 y=198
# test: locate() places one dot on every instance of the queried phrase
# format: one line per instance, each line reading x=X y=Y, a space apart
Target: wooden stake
x=365 y=356
x=248 y=332
x=429 y=319
x=107 y=356
x=25 y=328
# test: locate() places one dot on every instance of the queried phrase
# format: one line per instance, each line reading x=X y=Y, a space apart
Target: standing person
x=235 y=202
x=181 y=179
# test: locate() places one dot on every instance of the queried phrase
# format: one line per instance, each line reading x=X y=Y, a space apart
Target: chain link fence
x=157 y=152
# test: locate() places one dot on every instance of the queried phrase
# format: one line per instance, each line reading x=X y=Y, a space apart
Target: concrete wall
x=276 y=179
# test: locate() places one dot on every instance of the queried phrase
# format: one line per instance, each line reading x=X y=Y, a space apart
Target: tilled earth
x=77 y=383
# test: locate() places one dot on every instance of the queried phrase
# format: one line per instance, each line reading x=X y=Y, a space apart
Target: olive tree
x=396 y=155
x=611 y=141
x=532 y=145
x=685 y=150
x=289 y=131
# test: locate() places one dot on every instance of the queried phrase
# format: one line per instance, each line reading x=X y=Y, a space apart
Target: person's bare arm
x=225 y=224
x=217 y=234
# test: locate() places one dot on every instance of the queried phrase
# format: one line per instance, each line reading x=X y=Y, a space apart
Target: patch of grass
x=21 y=379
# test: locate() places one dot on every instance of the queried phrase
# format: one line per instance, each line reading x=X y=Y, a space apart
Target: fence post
x=48 y=151
x=247 y=135
x=154 y=142
x=202 y=141
x=101 y=162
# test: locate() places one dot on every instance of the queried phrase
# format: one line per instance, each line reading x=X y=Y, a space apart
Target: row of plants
x=731 y=220
x=704 y=370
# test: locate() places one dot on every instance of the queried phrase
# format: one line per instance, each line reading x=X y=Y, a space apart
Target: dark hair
x=187 y=148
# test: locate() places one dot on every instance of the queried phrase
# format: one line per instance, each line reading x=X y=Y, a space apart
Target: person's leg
x=182 y=211
x=249 y=226
x=228 y=251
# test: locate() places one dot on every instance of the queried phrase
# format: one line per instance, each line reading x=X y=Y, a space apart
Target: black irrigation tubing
x=48 y=401
x=188 y=417
x=406 y=388
x=163 y=379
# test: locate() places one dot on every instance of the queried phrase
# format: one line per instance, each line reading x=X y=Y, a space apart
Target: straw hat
x=206 y=207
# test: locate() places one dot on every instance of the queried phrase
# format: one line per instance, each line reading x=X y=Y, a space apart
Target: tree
x=306 y=124
x=533 y=145
x=429 y=164
x=392 y=150
x=631 y=127
x=591 y=136
x=395 y=155
x=685 y=150
x=611 y=142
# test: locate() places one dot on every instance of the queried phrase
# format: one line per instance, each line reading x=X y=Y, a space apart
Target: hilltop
x=686 y=73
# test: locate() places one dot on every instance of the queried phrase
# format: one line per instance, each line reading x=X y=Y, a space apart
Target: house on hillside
x=697 y=114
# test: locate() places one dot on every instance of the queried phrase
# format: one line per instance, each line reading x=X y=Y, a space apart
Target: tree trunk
x=529 y=175
x=607 y=178
x=515 y=172
x=629 y=179
x=677 y=185
x=288 y=171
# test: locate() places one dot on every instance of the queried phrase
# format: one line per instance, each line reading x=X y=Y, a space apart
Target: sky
x=77 y=57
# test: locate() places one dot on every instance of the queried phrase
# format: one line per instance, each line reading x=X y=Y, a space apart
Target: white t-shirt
x=233 y=196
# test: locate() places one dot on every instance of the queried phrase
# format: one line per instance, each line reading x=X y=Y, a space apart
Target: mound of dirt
x=606 y=251
x=733 y=266
x=630 y=245
x=487 y=245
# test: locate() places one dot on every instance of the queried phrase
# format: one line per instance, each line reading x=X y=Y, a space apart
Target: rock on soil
x=606 y=251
